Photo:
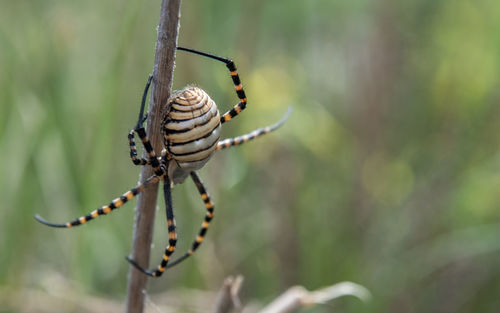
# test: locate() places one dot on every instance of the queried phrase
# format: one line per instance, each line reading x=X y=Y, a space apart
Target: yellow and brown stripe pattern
x=191 y=128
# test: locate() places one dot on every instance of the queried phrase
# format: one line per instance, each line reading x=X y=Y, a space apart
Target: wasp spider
x=191 y=131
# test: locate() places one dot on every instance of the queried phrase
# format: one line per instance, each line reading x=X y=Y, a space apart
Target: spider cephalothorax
x=191 y=130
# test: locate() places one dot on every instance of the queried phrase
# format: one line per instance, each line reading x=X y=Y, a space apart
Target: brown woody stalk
x=160 y=90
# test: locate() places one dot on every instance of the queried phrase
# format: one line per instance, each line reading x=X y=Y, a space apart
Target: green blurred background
x=387 y=173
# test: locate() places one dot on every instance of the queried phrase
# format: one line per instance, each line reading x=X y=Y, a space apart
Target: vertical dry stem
x=146 y=203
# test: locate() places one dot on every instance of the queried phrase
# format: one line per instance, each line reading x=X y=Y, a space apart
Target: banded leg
x=229 y=142
x=236 y=81
x=172 y=236
x=115 y=204
x=142 y=161
x=139 y=129
x=152 y=158
x=204 y=226
x=133 y=151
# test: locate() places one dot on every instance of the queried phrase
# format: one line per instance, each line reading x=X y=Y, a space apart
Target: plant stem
x=160 y=90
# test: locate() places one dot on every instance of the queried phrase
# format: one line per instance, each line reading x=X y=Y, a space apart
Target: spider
x=191 y=130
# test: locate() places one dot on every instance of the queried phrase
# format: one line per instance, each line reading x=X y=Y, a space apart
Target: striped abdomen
x=191 y=130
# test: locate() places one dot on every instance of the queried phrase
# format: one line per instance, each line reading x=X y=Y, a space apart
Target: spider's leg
x=139 y=129
x=172 y=236
x=204 y=226
x=133 y=151
x=236 y=81
x=142 y=118
x=115 y=204
x=229 y=142
x=152 y=158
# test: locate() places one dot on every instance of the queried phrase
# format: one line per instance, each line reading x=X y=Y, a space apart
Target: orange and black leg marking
x=239 y=91
x=133 y=151
x=236 y=141
x=236 y=81
x=152 y=159
x=172 y=236
x=206 y=222
x=139 y=129
x=115 y=204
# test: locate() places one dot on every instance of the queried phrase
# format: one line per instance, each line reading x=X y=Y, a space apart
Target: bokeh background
x=387 y=173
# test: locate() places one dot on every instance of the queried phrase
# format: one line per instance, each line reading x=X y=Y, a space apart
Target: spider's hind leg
x=206 y=222
x=236 y=81
x=172 y=236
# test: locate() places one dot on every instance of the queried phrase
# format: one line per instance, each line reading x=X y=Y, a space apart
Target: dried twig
x=293 y=299
x=298 y=297
x=228 y=298
x=146 y=203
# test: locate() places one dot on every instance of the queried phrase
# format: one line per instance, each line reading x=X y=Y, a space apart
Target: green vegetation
x=387 y=173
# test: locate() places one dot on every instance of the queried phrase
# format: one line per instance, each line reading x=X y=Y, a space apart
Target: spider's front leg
x=113 y=205
x=152 y=159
